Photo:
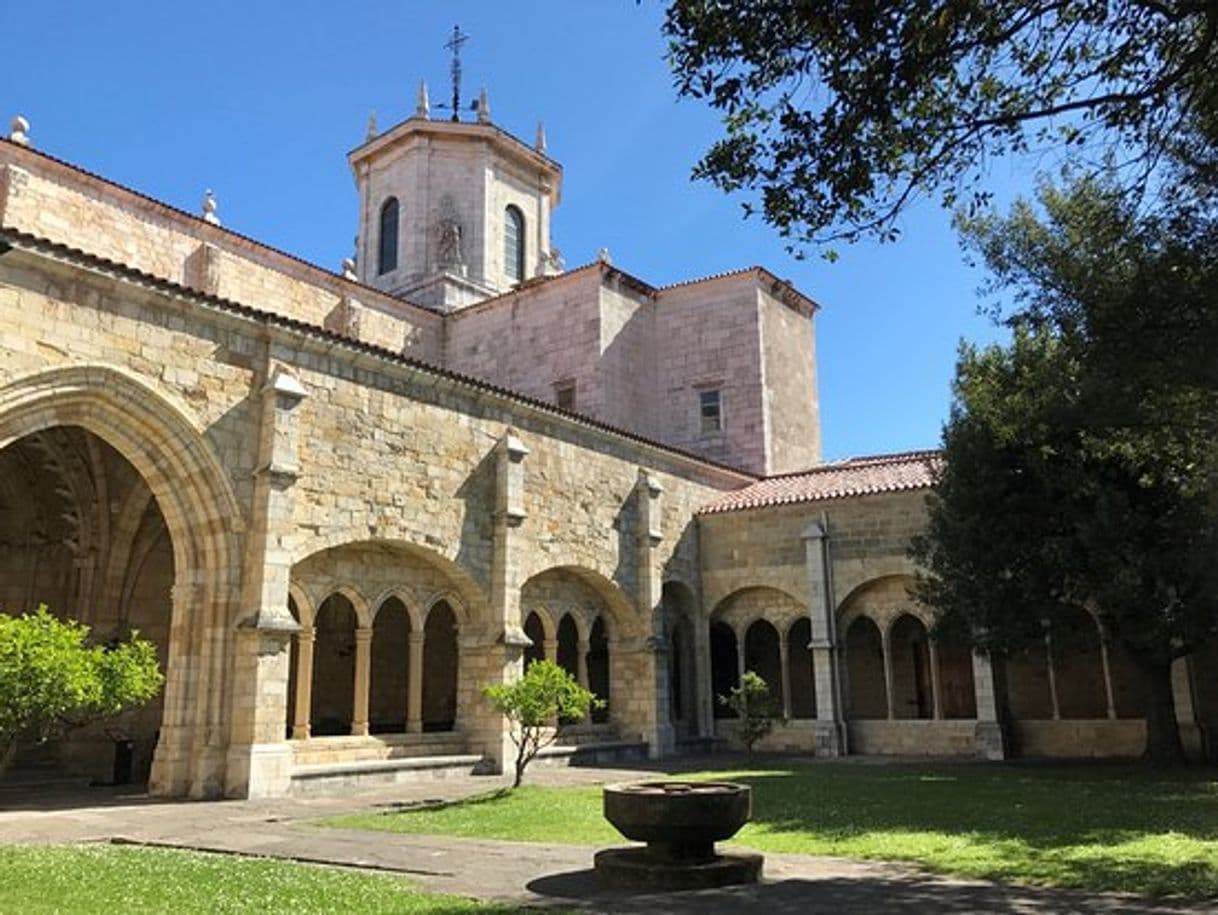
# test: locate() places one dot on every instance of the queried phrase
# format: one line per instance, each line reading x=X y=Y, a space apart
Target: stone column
x=935 y=687
x=784 y=659
x=704 y=701
x=302 y=721
x=1052 y=674
x=886 y=647
x=498 y=658
x=581 y=662
x=363 y=681
x=641 y=698
x=741 y=662
x=987 y=738
x=414 y=689
x=655 y=723
x=1108 y=696
x=259 y=759
x=830 y=720
x=549 y=650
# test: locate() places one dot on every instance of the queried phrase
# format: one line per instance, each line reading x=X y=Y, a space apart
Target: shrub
x=51 y=680
x=546 y=694
x=755 y=710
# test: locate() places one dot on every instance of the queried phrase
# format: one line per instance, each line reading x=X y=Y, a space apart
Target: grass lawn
x=1097 y=827
x=112 y=878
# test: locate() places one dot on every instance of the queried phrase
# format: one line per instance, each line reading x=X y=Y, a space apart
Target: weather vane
x=454 y=45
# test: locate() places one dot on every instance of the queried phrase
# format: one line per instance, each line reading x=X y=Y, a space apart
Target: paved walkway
x=527 y=874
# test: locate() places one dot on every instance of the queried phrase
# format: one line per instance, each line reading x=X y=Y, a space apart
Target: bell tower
x=453 y=211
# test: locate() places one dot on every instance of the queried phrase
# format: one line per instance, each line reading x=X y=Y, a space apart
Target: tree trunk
x=7 y=751
x=1163 y=747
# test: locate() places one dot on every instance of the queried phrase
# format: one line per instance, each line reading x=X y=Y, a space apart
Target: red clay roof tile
x=836 y=480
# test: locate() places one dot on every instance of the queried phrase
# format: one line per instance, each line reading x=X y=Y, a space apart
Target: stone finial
x=540 y=143
x=209 y=208
x=484 y=107
x=422 y=108
x=19 y=132
x=349 y=269
x=370 y=133
x=602 y=256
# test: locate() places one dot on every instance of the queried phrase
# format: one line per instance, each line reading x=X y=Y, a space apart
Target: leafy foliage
x=1080 y=470
x=756 y=711
x=536 y=704
x=838 y=114
x=51 y=680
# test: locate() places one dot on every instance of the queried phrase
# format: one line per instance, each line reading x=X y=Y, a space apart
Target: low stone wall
x=1093 y=738
x=913 y=737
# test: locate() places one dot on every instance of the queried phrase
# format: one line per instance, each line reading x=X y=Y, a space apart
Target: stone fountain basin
x=674 y=814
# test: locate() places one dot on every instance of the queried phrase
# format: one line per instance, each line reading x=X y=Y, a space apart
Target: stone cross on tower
x=454 y=44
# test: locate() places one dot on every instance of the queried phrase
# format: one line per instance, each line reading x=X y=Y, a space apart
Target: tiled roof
x=837 y=480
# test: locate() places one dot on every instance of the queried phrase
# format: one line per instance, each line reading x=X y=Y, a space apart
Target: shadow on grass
x=862 y=894
x=1125 y=828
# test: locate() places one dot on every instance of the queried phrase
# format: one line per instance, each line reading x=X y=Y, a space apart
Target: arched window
x=387 y=256
x=513 y=244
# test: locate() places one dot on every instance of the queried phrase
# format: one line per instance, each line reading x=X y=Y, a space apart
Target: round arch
x=413 y=611
x=614 y=604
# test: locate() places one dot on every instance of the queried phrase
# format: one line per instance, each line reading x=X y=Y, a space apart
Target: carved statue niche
x=448 y=234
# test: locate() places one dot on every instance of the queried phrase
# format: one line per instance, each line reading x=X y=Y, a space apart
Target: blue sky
x=262 y=101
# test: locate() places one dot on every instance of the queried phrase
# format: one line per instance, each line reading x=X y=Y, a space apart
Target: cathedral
x=341 y=503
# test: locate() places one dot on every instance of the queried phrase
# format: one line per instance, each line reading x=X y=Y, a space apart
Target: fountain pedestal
x=680 y=821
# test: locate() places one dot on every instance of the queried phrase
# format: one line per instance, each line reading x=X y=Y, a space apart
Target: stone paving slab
x=527 y=874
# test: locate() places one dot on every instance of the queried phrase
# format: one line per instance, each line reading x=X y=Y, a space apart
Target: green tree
x=51 y=680
x=838 y=114
x=537 y=705
x=756 y=711
x=1080 y=470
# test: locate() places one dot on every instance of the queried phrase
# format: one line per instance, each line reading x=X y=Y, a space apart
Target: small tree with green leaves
x=544 y=695
x=51 y=680
x=755 y=709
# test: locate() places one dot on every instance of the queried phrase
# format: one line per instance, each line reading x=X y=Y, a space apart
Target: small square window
x=564 y=395
x=710 y=412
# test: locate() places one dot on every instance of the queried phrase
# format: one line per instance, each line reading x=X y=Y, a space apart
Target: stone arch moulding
x=158 y=438
x=463 y=588
x=617 y=609
x=413 y=611
x=774 y=605
x=885 y=609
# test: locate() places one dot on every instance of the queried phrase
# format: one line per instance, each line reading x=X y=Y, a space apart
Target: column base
x=989 y=741
x=830 y=738
x=258 y=770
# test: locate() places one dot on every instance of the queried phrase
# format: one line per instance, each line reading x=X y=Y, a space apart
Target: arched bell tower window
x=513 y=244
x=387 y=254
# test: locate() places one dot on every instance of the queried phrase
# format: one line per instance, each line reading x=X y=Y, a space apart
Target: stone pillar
x=741 y=662
x=1191 y=732
x=655 y=725
x=831 y=734
x=1051 y=673
x=935 y=687
x=363 y=681
x=549 y=650
x=987 y=738
x=581 y=662
x=889 y=690
x=500 y=657
x=301 y=724
x=259 y=759
x=784 y=659
x=704 y=700
x=830 y=720
x=1108 y=697
x=414 y=688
